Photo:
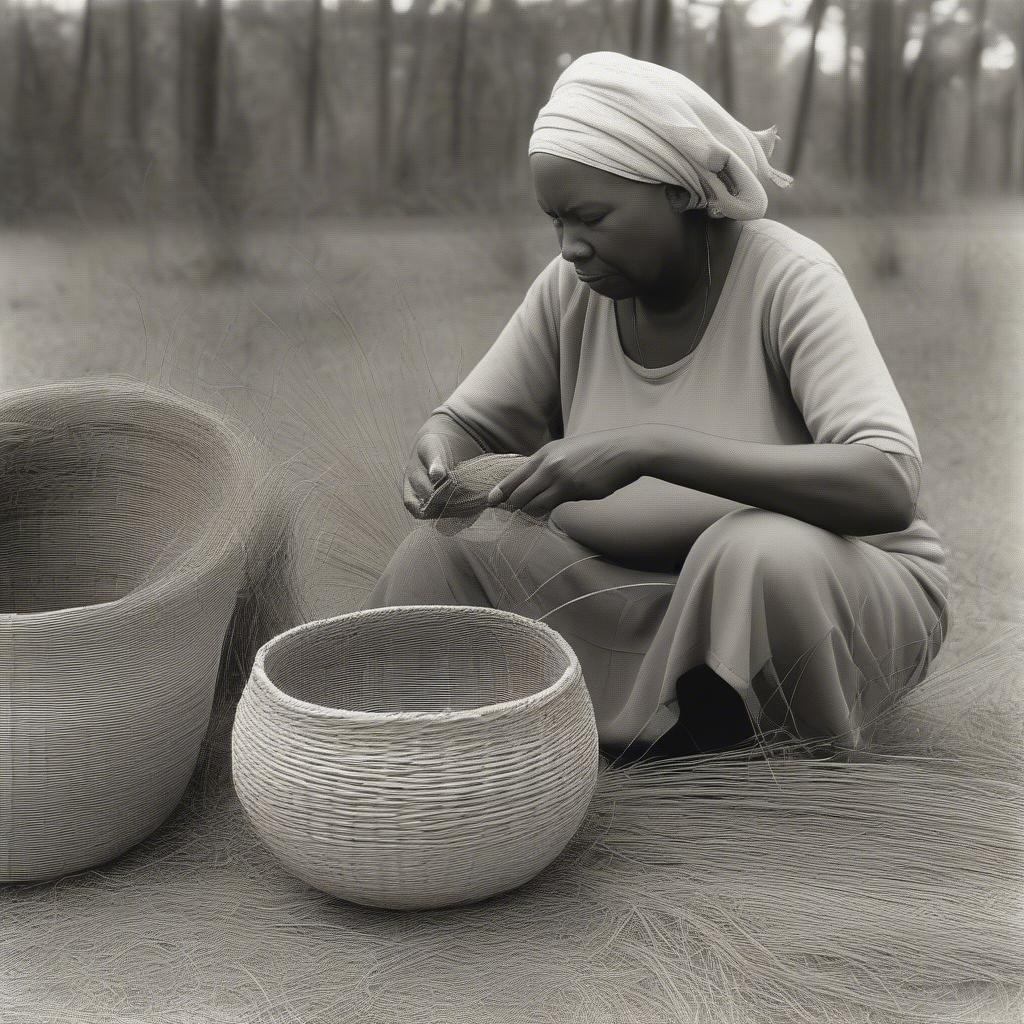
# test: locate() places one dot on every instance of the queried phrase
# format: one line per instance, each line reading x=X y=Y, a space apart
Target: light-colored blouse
x=787 y=358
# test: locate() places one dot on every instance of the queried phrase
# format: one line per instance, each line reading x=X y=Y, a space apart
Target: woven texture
x=413 y=757
x=131 y=520
x=463 y=492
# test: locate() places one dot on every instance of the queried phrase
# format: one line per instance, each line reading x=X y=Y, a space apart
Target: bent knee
x=768 y=538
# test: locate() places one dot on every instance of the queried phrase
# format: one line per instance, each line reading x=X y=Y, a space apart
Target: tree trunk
x=384 y=35
x=914 y=98
x=846 y=129
x=636 y=29
x=505 y=65
x=1009 y=119
x=900 y=181
x=414 y=75
x=73 y=126
x=459 y=81
x=312 y=89
x=106 y=59
x=661 y=33
x=1020 y=68
x=607 y=36
x=726 y=74
x=931 y=92
x=879 y=123
x=134 y=43
x=207 y=87
x=185 y=73
x=23 y=140
x=815 y=12
x=973 y=139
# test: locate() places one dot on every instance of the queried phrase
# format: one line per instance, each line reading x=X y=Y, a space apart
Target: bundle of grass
x=418 y=756
x=136 y=527
x=462 y=494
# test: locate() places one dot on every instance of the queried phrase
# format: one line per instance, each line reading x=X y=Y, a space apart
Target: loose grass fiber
x=784 y=884
x=131 y=521
x=414 y=757
x=765 y=888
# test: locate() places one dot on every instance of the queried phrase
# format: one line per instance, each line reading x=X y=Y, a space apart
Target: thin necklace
x=707 y=293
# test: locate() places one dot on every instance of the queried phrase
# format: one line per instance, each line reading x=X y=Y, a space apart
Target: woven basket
x=416 y=756
x=130 y=522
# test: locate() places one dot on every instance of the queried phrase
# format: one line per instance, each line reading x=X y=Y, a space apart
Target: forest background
x=260 y=108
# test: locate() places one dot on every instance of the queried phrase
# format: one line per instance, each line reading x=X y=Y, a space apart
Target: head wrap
x=646 y=122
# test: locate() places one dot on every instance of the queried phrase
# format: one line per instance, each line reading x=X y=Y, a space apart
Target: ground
x=198 y=923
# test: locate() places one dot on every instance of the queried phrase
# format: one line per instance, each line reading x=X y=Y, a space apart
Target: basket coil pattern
x=130 y=523
x=415 y=756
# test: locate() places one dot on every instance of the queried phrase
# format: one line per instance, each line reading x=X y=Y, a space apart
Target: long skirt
x=818 y=633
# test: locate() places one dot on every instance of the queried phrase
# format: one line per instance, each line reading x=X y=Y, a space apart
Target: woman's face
x=624 y=234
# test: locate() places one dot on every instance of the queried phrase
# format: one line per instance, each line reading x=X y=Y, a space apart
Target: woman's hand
x=438 y=449
x=578 y=468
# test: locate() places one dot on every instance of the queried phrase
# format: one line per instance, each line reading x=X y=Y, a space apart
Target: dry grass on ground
x=894 y=898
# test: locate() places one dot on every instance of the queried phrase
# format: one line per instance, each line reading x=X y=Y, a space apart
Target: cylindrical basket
x=416 y=756
x=129 y=523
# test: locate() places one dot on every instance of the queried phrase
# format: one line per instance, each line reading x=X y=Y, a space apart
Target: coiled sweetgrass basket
x=416 y=756
x=130 y=522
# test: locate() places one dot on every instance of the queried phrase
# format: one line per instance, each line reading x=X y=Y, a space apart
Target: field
x=186 y=927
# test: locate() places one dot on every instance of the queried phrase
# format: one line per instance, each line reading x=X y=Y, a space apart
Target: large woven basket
x=416 y=756
x=129 y=526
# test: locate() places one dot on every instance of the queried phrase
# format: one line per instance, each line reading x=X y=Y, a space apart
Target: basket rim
x=259 y=676
x=244 y=451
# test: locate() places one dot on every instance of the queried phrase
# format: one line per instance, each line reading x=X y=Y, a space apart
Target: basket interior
x=424 y=659
x=92 y=508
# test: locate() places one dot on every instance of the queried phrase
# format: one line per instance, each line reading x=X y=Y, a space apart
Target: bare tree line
x=257 y=103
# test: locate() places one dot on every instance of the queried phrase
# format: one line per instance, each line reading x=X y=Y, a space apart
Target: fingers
x=503 y=492
x=435 y=454
x=535 y=494
x=427 y=469
x=410 y=496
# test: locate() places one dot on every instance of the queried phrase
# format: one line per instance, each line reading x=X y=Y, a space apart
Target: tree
x=185 y=79
x=134 y=107
x=918 y=103
x=726 y=75
x=815 y=13
x=607 y=28
x=27 y=86
x=661 y=33
x=384 y=34
x=207 y=88
x=459 y=80
x=76 y=106
x=413 y=77
x=880 y=129
x=637 y=18
x=312 y=86
x=846 y=130
x=977 y=46
x=1020 y=60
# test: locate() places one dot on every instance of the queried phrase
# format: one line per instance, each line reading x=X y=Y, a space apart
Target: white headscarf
x=648 y=123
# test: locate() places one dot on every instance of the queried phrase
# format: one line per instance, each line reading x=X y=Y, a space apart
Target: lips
x=592 y=277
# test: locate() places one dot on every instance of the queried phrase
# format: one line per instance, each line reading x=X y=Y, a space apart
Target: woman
x=718 y=455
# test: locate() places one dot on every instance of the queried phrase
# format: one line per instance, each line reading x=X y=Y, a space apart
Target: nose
x=574 y=248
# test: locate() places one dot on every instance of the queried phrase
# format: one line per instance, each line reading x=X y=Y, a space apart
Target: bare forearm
x=849 y=489
x=463 y=445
